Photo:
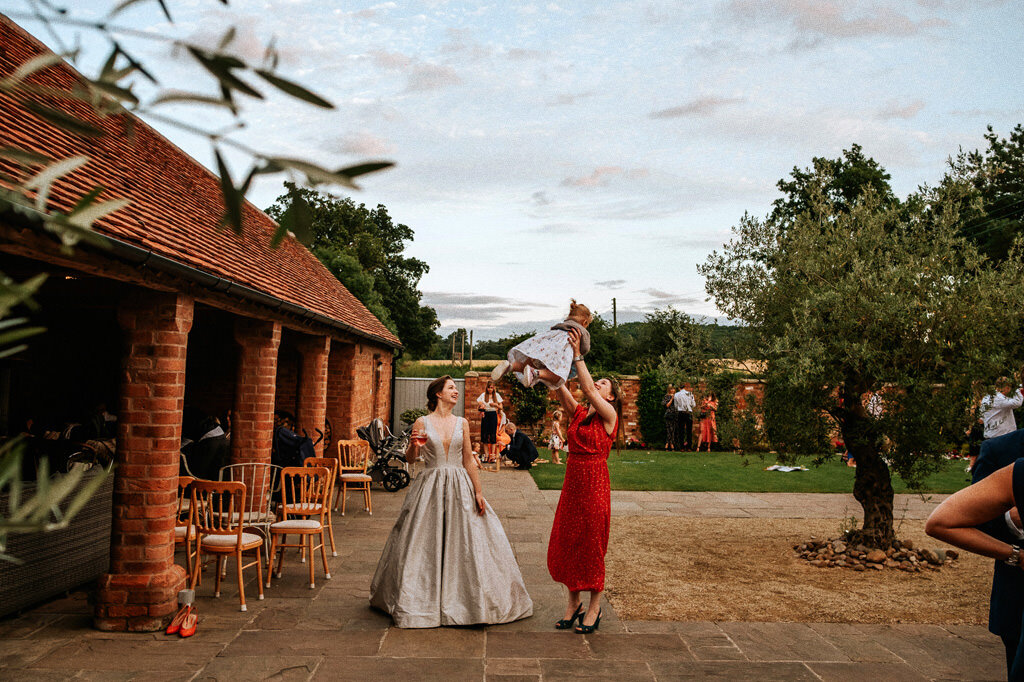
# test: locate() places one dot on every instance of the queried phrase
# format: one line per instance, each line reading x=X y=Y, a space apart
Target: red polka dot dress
x=579 y=536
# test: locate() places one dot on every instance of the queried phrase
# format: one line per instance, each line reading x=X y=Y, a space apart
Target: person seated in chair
x=521 y=451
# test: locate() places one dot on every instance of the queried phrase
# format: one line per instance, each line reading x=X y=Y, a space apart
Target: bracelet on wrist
x=577 y=358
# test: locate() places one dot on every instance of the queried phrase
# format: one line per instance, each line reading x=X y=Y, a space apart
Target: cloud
x=540 y=198
x=568 y=99
x=421 y=75
x=903 y=111
x=599 y=178
x=552 y=229
x=365 y=144
x=468 y=309
x=611 y=284
x=431 y=77
x=702 y=106
x=830 y=18
x=665 y=298
x=602 y=176
x=393 y=61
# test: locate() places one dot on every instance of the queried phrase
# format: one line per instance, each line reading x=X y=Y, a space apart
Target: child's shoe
x=529 y=375
x=499 y=371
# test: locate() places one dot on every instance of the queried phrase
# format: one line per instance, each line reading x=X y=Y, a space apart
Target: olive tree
x=869 y=297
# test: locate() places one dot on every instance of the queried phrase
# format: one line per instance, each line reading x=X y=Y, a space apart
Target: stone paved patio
x=330 y=633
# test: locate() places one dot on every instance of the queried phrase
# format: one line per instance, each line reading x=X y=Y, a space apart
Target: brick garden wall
x=476 y=382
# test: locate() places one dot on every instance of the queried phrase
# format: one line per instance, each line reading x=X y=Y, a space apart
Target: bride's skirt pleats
x=445 y=564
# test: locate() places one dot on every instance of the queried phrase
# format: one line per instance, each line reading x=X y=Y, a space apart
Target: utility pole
x=615 y=318
x=453 y=348
x=462 y=349
x=471 y=349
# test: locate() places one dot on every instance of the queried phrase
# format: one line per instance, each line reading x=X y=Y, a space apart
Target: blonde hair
x=580 y=312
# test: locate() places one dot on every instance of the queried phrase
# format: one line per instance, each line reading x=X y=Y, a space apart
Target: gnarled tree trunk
x=872 y=484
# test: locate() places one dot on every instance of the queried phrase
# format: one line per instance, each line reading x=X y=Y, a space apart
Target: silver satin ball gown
x=445 y=564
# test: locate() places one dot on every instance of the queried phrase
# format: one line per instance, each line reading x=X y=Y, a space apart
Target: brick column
x=142 y=586
x=252 y=423
x=312 y=398
x=340 y=389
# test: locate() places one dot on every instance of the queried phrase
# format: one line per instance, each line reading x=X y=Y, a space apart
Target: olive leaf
x=232 y=197
x=44 y=179
x=64 y=120
x=293 y=89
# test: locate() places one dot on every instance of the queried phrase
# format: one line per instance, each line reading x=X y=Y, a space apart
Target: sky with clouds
x=594 y=149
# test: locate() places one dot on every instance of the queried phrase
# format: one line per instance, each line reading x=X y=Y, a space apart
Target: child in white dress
x=547 y=357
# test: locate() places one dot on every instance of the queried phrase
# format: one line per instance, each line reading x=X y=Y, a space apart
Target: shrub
x=650 y=410
x=411 y=415
x=528 y=404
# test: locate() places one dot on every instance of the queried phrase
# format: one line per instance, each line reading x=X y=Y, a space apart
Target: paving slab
x=331 y=633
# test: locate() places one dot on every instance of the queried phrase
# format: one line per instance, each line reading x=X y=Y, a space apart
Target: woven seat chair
x=331 y=465
x=303 y=489
x=217 y=509
x=353 y=458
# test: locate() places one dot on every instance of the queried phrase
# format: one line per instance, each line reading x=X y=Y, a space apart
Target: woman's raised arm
x=602 y=406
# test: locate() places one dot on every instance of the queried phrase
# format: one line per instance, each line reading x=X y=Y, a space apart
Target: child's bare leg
x=517 y=366
x=549 y=377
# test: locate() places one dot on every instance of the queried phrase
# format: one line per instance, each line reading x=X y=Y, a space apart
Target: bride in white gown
x=447 y=560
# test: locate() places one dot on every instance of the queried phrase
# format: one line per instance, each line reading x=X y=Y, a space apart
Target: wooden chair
x=353 y=458
x=302 y=489
x=217 y=511
x=331 y=464
x=261 y=480
x=184 y=534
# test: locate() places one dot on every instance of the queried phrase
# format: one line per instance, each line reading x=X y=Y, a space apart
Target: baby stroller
x=389 y=465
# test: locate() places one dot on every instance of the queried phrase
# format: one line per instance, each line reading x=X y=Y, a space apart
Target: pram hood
x=375 y=433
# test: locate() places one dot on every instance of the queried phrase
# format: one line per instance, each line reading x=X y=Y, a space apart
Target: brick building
x=172 y=314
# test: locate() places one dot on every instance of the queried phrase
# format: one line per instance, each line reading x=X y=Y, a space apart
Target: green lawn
x=730 y=472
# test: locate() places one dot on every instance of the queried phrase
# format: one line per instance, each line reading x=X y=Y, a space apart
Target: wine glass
x=419 y=438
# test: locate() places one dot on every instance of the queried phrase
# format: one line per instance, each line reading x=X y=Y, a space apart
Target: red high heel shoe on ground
x=188 y=626
x=179 y=617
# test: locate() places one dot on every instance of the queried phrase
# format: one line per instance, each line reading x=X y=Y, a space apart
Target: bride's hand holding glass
x=419 y=437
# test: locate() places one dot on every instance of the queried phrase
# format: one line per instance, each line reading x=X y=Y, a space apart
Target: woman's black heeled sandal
x=582 y=629
x=566 y=624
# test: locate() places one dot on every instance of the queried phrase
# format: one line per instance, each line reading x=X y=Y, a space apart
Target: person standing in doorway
x=684 y=404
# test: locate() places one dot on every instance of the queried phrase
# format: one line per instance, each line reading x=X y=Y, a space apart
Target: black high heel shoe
x=582 y=629
x=566 y=624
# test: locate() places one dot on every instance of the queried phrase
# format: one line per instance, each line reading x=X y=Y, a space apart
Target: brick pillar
x=312 y=398
x=252 y=424
x=340 y=389
x=142 y=586
x=475 y=384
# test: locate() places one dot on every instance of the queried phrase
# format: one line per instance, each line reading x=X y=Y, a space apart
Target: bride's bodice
x=433 y=452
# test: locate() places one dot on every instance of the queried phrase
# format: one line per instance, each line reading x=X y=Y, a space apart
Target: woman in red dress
x=579 y=536
x=708 y=424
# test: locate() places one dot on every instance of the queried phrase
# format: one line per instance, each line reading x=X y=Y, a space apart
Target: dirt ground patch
x=724 y=569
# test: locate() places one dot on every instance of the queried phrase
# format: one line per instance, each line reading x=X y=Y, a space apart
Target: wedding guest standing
x=708 y=431
x=684 y=404
x=668 y=400
x=489 y=402
x=579 y=536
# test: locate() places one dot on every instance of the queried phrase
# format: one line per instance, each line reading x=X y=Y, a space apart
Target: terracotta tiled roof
x=176 y=203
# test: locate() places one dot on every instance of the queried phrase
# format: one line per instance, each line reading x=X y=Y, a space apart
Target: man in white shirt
x=997 y=409
x=684 y=404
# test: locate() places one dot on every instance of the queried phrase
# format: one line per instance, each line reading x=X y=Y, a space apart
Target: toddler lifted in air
x=547 y=357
